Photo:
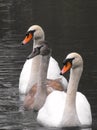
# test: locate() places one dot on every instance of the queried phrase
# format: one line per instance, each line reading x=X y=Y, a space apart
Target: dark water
x=69 y=26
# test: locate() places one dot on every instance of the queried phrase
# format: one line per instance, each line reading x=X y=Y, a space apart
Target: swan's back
x=51 y=113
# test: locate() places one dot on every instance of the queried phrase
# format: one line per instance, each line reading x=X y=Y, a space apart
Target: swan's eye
x=27 y=35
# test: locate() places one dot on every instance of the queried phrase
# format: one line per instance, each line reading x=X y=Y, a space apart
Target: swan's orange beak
x=27 y=39
x=66 y=67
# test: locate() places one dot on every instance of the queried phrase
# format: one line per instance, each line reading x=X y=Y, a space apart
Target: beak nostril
x=22 y=43
x=61 y=73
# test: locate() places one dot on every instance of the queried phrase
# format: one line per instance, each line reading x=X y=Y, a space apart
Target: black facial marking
x=27 y=34
x=68 y=60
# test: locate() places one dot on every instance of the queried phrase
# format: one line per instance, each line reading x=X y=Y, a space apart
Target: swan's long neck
x=34 y=67
x=41 y=84
x=75 y=75
x=43 y=73
x=70 y=114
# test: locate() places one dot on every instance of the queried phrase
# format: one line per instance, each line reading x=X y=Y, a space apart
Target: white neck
x=70 y=114
x=75 y=75
x=34 y=67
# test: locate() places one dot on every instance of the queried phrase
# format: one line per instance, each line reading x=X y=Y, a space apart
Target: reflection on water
x=68 y=27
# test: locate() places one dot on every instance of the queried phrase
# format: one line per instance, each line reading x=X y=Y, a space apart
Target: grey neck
x=36 y=42
x=41 y=93
x=43 y=73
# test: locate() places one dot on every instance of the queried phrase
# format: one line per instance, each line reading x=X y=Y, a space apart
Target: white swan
x=29 y=73
x=36 y=97
x=67 y=109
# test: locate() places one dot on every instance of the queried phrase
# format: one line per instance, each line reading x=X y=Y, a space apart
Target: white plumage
x=67 y=109
x=29 y=73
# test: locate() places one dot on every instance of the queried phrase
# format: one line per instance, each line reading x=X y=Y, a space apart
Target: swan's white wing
x=54 y=72
x=83 y=109
x=52 y=111
x=53 y=69
x=25 y=76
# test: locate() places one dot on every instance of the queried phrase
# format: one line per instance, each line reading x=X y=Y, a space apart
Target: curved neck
x=75 y=75
x=70 y=114
x=34 y=66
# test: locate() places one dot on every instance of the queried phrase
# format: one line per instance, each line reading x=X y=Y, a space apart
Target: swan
x=67 y=109
x=36 y=97
x=29 y=73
